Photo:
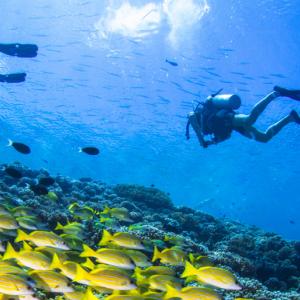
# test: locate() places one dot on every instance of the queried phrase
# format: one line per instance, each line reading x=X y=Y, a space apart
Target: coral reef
x=267 y=265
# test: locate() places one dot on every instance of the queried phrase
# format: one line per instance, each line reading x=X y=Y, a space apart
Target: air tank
x=226 y=101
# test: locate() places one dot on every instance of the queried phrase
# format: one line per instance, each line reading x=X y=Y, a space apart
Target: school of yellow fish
x=58 y=264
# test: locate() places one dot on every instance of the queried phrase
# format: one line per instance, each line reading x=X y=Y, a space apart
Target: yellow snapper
x=9 y=267
x=160 y=282
x=122 y=239
x=108 y=278
x=172 y=256
x=23 y=211
x=29 y=258
x=139 y=258
x=73 y=228
x=8 y=222
x=120 y=213
x=42 y=238
x=213 y=276
x=52 y=196
x=11 y=284
x=30 y=223
x=50 y=281
x=191 y=293
x=68 y=268
x=109 y=256
x=81 y=212
x=155 y=270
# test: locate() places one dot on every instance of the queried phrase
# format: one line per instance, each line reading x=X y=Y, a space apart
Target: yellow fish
x=8 y=222
x=139 y=258
x=160 y=282
x=175 y=239
x=50 y=281
x=173 y=256
x=42 y=238
x=122 y=239
x=52 y=196
x=15 y=285
x=73 y=228
x=8 y=267
x=213 y=276
x=81 y=212
x=29 y=258
x=23 y=211
x=28 y=222
x=68 y=268
x=200 y=260
x=72 y=241
x=120 y=213
x=124 y=297
x=108 y=278
x=109 y=256
x=191 y=293
x=154 y=270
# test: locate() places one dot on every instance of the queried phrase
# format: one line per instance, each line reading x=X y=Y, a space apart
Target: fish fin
x=26 y=246
x=21 y=236
x=88 y=264
x=87 y=252
x=140 y=279
x=156 y=254
x=56 y=263
x=105 y=210
x=80 y=273
x=192 y=258
x=89 y=295
x=10 y=252
x=171 y=292
x=59 y=226
x=10 y=143
x=106 y=237
x=189 y=270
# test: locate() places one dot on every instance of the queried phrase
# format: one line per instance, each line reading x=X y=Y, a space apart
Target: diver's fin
x=294 y=94
x=295 y=116
x=20 y=50
x=13 y=78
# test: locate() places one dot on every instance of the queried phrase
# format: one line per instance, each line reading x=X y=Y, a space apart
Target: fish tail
x=10 y=143
x=26 y=246
x=80 y=273
x=10 y=252
x=105 y=210
x=106 y=237
x=87 y=252
x=156 y=254
x=88 y=264
x=89 y=295
x=171 y=293
x=56 y=263
x=189 y=270
x=21 y=236
x=59 y=226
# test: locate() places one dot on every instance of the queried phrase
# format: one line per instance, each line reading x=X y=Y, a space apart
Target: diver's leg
x=266 y=136
x=260 y=107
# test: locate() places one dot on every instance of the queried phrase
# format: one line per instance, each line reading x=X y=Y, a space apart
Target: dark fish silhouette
x=13 y=172
x=39 y=189
x=13 y=78
x=90 y=150
x=292 y=222
x=172 y=63
x=20 y=50
x=20 y=147
x=46 y=181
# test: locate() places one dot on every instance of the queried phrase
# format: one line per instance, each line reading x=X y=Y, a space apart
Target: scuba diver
x=19 y=50
x=214 y=120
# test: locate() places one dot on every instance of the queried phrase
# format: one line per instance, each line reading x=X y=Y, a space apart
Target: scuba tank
x=225 y=101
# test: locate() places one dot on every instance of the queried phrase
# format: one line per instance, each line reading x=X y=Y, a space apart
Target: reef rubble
x=267 y=266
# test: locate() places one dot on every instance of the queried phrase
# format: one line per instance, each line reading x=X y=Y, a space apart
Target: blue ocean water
x=101 y=79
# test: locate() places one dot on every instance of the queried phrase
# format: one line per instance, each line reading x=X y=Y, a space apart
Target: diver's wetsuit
x=221 y=124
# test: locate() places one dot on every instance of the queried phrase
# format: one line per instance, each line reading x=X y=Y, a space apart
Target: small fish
x=20 y=147
x=47 y=181
x=108 y=256
x=51 y=281
x=120 y=213
x=29 y=222
x=13 y=78
x=292 y=222
x=11 y=284
x=39 y=189
x=172 y=63
x=172 y=256
x=22 y=211
x=122 y=239
x=105 y=277
x=82 y=212
x=154 y=270
x=213 y=276
x=90 y=150
x=174 y=239
x=139 y=258
x=52 y=196
x=29 y=258
x=161 y=282
x=191 y=292
x=42 y=238
x=13 y=172
x=8 y=222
